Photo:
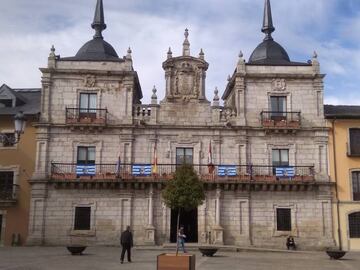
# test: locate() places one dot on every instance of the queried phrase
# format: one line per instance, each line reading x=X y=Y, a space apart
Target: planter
x=335 y=254
x=208 y=251
x=76 y=250
x=169 y=261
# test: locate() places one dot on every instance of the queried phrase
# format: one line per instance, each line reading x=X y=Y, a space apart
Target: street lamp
x=20 y=123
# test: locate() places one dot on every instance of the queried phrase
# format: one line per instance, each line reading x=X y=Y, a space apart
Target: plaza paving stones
x=107 y=258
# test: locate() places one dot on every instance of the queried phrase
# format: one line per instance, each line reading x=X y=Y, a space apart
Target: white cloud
x=221 y=28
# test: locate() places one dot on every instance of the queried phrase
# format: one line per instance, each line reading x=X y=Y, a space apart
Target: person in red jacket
x=126 y=242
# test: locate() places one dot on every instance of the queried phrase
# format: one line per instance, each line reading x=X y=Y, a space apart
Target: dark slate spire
x=96 y=49
x=99 y=21
x=268 y=27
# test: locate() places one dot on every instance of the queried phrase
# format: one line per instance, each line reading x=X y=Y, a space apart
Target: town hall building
x=103 y=157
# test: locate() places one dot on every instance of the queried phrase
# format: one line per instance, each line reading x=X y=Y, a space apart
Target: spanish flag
x=154 y=165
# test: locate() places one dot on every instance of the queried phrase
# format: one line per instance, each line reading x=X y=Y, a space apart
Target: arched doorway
x=189 y=220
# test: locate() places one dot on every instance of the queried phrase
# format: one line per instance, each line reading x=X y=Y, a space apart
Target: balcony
x=280 y=121
x=8 y=195
x=114 y=175
x=79 y=117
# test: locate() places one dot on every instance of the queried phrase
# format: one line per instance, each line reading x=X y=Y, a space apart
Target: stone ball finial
x=241 y=55
x=201 y=54
x=129 y=51
x=315 y=55
x=169 y=53
x=154 y=96
x=216 y=97
x=186 y=34
x=52 y=51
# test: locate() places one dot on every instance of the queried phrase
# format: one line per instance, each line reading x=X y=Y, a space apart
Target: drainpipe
x=336 y=183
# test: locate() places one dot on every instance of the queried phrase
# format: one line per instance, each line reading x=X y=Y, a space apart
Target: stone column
x=37 y=213
x=218 y=230
x=150 y=229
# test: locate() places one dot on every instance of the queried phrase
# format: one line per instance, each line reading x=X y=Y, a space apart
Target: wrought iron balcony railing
x=280 y=120
x=163 y=172
x=8 y=193
x=86 y=116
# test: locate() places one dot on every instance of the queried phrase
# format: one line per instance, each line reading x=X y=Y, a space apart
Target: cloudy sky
x=221 y=27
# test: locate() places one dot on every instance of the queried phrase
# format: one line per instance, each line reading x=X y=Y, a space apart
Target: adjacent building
x=17 y=161
x=344 y=150
x=103 y=157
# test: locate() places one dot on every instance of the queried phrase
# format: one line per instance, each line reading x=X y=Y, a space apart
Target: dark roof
x=270 y=52
x=342 y=112
x=96 y=49
x=31 y=99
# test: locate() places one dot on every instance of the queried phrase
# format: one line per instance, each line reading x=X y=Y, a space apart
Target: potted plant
x=335 y=253
x=183 y=192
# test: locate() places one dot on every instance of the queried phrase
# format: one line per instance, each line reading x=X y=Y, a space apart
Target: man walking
x=126 y=242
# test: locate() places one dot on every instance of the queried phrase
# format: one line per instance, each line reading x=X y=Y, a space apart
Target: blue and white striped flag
x=141 y=169
x=85 y=169
x=285 y=171
x=227 y=170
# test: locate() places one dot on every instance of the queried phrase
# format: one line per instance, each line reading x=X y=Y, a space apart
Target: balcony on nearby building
x=280 y=121
x=148 y=173
x=8 y=195
x=79 y=117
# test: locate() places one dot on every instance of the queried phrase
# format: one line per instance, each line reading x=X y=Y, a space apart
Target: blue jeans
x=181 y=243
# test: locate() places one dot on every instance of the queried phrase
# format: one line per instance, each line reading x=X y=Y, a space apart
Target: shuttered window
x=354 y=225
x=82 y=218
x=354 y=141
x=283 y=217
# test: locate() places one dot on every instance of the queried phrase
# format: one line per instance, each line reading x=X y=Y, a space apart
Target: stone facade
x=235 y=212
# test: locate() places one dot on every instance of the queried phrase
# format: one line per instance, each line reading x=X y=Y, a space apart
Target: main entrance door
x=189 y=221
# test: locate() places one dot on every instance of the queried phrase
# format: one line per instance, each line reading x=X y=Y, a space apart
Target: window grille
x=283 y=217
x=354 y=225
x=82 y=218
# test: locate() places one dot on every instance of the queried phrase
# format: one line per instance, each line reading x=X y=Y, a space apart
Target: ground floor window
x=82 y=218
x=354 y=225
x=6 y=184
x=283 y=218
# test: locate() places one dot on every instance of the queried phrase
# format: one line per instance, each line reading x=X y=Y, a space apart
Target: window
x=354 y=225
x=283 y=218
x=86 y=155
x=10 y=139
x=278 y=108
x=88 y=105
x=184 y=156
x=82 y=218
x=354 y=141
x=280 y=157
x=6 y=185
x=356 y=185
x=6 y=103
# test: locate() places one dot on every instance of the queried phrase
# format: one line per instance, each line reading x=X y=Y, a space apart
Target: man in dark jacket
x=126 y=242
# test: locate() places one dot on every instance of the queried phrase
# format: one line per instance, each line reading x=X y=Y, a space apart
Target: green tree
x=184 y=191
